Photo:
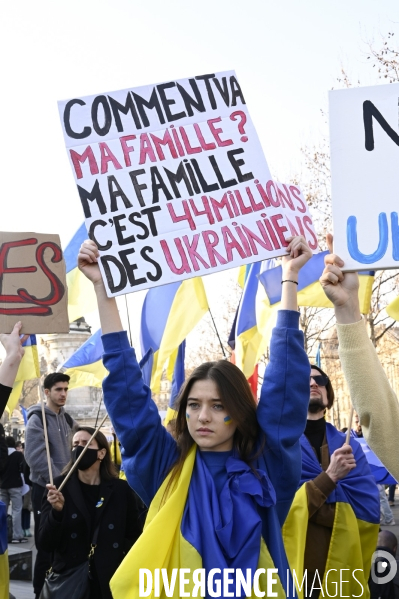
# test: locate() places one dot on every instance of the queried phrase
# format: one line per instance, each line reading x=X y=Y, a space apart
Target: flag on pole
x=24 y=414
x=253 y=320
x=85 y=366
x=169 y=313
x=28 y=369
x=177 y=382
x=310 y=292
x=378 y=470
x=318 y=356
x=81 y=295
x=393 y=309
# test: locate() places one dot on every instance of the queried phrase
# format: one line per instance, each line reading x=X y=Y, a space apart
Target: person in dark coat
x=11 y=486
x=93 y=497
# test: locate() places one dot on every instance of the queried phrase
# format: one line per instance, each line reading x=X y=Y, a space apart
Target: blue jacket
x=149 y=450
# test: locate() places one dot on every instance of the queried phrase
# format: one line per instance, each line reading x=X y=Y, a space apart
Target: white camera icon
x=381 y=562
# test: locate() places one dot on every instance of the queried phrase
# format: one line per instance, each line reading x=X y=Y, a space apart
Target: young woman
x=93 y=499
x=219 y=495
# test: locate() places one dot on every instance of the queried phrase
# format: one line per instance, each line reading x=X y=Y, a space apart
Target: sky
x=287 y=55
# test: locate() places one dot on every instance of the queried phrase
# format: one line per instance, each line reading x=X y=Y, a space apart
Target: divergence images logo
x=383 y=567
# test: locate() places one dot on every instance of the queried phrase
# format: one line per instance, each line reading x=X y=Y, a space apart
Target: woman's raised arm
x=148 y=449
x=285 y=391
x=88 y=264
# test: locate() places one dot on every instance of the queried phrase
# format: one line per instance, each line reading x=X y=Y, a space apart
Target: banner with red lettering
x=32 y=283
x=174 y=183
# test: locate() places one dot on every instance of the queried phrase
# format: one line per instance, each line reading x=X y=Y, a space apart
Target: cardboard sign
x=174 y=184
x=32 y=283
x=365 y=176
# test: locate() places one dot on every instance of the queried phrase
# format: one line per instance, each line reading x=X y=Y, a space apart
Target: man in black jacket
x=11 y=488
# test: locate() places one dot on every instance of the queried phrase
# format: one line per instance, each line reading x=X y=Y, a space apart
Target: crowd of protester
x=231 y=484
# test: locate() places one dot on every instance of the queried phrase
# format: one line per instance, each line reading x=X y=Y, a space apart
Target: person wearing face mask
x=93 y=504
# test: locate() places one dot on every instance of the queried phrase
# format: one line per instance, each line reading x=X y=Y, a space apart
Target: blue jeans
x=15 y=497
x=385 y=510
x=391 y=494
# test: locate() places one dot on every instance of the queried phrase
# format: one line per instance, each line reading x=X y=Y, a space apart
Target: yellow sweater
x=371 y=393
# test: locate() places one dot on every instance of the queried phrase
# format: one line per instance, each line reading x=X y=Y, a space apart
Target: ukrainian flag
x=393 y=309
x=28 y=369
x=169 y=313
x=378 y=470
x=81 y=295
x=172 y=537
x=243 y=273
x=254 y=322
x=85 y=366
x=177 y=382
x=4 y=569
x=310 y=292
x=356 y=521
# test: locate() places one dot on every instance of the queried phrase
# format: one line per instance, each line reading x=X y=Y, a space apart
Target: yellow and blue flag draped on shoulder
x=183 y=530
x=28 y=369
x=310 y=292
x=169 y=313
x=356 y=520
x=81 y=295
x=4 y=569
x=253 y=320
x=177 y=381
x=85 y=366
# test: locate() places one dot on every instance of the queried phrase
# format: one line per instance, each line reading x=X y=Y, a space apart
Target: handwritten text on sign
x=32 y=283
x=365 y=176
x=174 y=184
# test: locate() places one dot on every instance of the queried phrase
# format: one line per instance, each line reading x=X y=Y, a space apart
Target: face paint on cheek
x=187 y=416
x=228 y=420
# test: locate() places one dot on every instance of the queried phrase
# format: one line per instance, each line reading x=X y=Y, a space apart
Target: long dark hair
x=107 y=467
x=239 y=402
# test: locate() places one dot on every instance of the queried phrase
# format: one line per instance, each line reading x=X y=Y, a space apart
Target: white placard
x=365 y=176
x=174 y=184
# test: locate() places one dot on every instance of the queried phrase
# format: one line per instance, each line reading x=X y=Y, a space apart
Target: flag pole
x=217 y=333
x=50 y=471
x=348 y=432
x=98 y=411
x=128 y=322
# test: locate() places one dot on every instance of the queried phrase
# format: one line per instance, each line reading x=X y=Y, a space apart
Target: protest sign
x=174 y=184
x=32 y=283
x=365 y=176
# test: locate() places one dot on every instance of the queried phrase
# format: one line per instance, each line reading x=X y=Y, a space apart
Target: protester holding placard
x=369 y=388
x=174 y=183
x=242 y=461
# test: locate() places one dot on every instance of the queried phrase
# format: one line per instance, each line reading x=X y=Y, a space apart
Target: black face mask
x=89 y=458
